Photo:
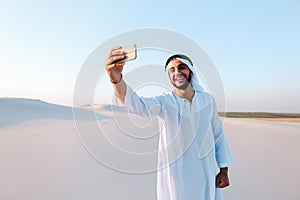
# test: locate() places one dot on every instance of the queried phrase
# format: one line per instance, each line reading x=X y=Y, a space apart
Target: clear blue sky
x=254 y=44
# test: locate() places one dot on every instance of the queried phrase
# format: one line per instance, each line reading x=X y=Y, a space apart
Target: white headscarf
x=195 y=80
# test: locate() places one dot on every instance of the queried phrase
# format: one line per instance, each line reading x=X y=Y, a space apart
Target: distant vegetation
x=258 y=115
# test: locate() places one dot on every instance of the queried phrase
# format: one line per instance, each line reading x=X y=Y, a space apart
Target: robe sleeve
x=143 y=106
x=223 y=156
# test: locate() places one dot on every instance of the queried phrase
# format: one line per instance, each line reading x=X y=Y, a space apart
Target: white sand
x=267 y=159
x=42 y=157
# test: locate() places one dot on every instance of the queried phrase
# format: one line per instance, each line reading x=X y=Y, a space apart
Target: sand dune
x=17 y=110
x=43 y=156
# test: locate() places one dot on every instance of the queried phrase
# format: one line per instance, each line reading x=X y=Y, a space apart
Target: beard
x=186 y=84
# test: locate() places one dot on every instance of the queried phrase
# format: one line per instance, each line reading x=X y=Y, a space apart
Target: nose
x=176 y=71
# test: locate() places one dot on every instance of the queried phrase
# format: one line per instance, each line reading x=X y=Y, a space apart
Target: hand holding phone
x=129 y=52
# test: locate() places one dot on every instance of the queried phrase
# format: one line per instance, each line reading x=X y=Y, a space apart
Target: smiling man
x=192 y=142
x=179 y=74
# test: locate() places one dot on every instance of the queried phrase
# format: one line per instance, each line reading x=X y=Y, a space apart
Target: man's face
x=180 y=75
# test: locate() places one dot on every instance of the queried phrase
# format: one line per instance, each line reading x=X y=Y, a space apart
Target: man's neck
x=187 y=93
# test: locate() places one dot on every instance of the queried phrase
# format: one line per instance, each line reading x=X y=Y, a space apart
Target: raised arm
x=142 y=106
x=114 y=71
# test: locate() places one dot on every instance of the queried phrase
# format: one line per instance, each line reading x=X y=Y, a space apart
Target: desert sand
x=45 y=155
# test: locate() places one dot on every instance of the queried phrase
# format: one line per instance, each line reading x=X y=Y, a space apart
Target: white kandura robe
x=191 y=143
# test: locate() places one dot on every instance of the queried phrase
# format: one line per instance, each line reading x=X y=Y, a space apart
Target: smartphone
x=130 y=53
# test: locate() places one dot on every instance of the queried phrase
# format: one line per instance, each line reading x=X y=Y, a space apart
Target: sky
x=255 y=45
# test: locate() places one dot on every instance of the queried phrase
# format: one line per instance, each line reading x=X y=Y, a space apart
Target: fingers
x=115 y=54
x=114 y=48
x=223 y=184
x=113 y=59
x=114 y=64
x=117 y=66
x=222 y=181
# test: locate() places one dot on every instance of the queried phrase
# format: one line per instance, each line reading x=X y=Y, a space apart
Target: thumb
x=219 y=182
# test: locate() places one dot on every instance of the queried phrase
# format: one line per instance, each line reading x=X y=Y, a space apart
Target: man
x=192 y=141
